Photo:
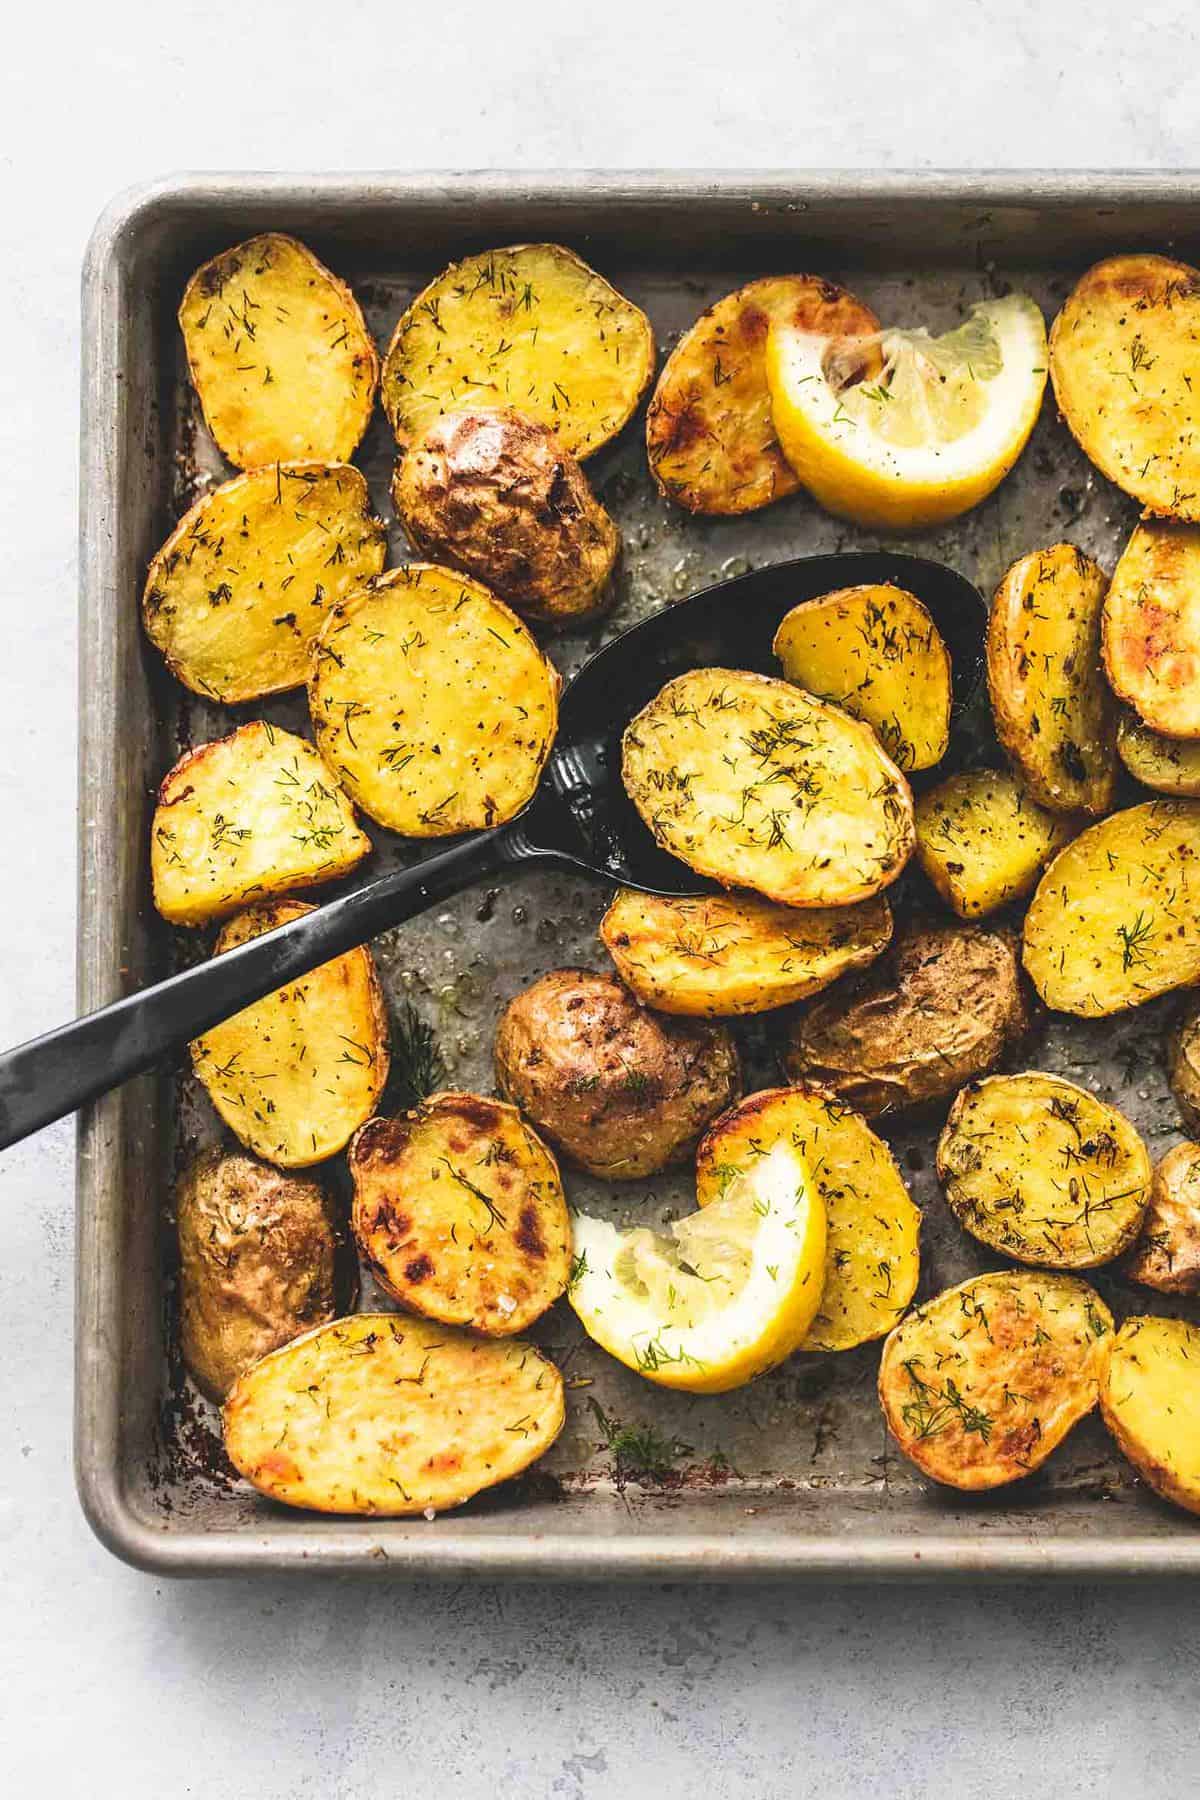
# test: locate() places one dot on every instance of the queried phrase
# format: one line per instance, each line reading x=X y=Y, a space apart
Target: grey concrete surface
x=113 y=1683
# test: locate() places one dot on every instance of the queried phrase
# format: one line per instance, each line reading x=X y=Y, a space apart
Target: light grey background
x=111 y=1681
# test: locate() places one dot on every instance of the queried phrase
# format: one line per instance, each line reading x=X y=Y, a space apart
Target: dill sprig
x=418 y=1068
x=639 y=1452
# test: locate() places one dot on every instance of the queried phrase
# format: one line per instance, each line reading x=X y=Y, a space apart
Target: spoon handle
x=52 y=1075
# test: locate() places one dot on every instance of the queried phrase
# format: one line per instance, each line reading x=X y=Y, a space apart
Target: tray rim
x=338 y=1545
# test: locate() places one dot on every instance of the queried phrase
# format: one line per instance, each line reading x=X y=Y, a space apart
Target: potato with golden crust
x=1166 y=1256
x=983 y=841
x=1152 y=627
x=391 y=1416
x=1183 y=1064
x=1150 y=1401
x=621 y=1091
x=1168 y=765
x=710 y=439
x=496 y=495
x=1054 y=715
x=981 y=1383
x=719 y=955
x=459 y=1211
x=942 y=1006
x=261 y=1259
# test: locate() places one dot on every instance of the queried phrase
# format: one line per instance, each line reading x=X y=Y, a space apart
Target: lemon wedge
x=904 y=429
x=720 y=1296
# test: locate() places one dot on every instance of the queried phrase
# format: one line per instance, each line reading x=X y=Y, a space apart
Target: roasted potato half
x=709 y=437
x=297 y=1073
x=240 y=589
x=872 y=1256
x=1183 y=1064
x=876 y=652
x=748 y=780
x=1150 y=1401
x=391 y=1416
x=1169 y=765
x=260 y=1261
x=1152 y=627
x=622 y=1092
x=981 y=1383
x=1043 y=1171
x=941 y=1007
x=1166 y=1256
x=530 y=326
x=724 y=954
x=279 y=353
x=1116 y=916
x=432 y=702
x=245 y=818
x=983 y=841
x=459 y=1211
x=1122 y=359
x=1054 y=714
x=496 y=495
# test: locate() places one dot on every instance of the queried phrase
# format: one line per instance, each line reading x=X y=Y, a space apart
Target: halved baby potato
x=1169 y=765
x=390 y=1416
x=432 y=702
x=1166 y=1256
x=1150 y=1401
x=1054 y=714
x=876 y=652
x=297 y=1073
x=873 y=1229
x=1115 y=920
x=759 y=785
x=720 y=955
x=459 y=1211
x=1183 y=1064
x=1152 y=627
x=1123 y=354
x=981 y=1383
x=710 y=440
x=1043 y=1171
x=279 y=353
x=245 y=818
x=983 y=841
x=240 y=589
x=530 y=326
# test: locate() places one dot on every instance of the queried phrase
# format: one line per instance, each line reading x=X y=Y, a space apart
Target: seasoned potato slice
x=876 y=652
x=939 y=1008
x=1167 y=1254
x=872 y=1257
x=1054 y=714
x=1116 y=916
x=1043 y=1171
x=982 y=1382
x=983 y=841
x=530 y=326
x=459 y=1210
x=721 y=955
x=1123 y=354
x=709 y=436
x=1152 y=627
x=1183 y=1064
x=1150 y=1401
x=391 y=1416
x=1170 y=765
x=259 y=1255
x=752 y=782
x=297 y=1073
x=432 y=702
x=241 y=587
x=280 y=354
x=244 y=818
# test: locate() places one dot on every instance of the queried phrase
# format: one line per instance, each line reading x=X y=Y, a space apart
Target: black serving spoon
x=580 y=819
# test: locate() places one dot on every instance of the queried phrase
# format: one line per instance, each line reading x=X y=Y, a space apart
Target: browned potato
x=1167 y=1255
x=259 y=1262
x=981 y=1383
x=1152 y=627
x=386 y=1415
x=709 y=436
x=459 y=1210
x=723 y=954
x=983 y=841
x=1183 y=1064
x=1150 y=1400
x=1054 y=714
x=496 y=495
x=1169 y=765
x=621 y=1091
x=941 y=1007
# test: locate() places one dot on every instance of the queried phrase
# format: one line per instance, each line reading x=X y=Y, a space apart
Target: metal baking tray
x=794 y=1475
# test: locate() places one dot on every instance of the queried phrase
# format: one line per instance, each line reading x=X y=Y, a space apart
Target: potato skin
x=942 y=1006
x=983 y=841
x=496 y=495
x=1166 y=1256
x=621 y=1091
x=1183 y=1064
x=1150 y=1401
x=1152 y=627
x=260 y=1261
